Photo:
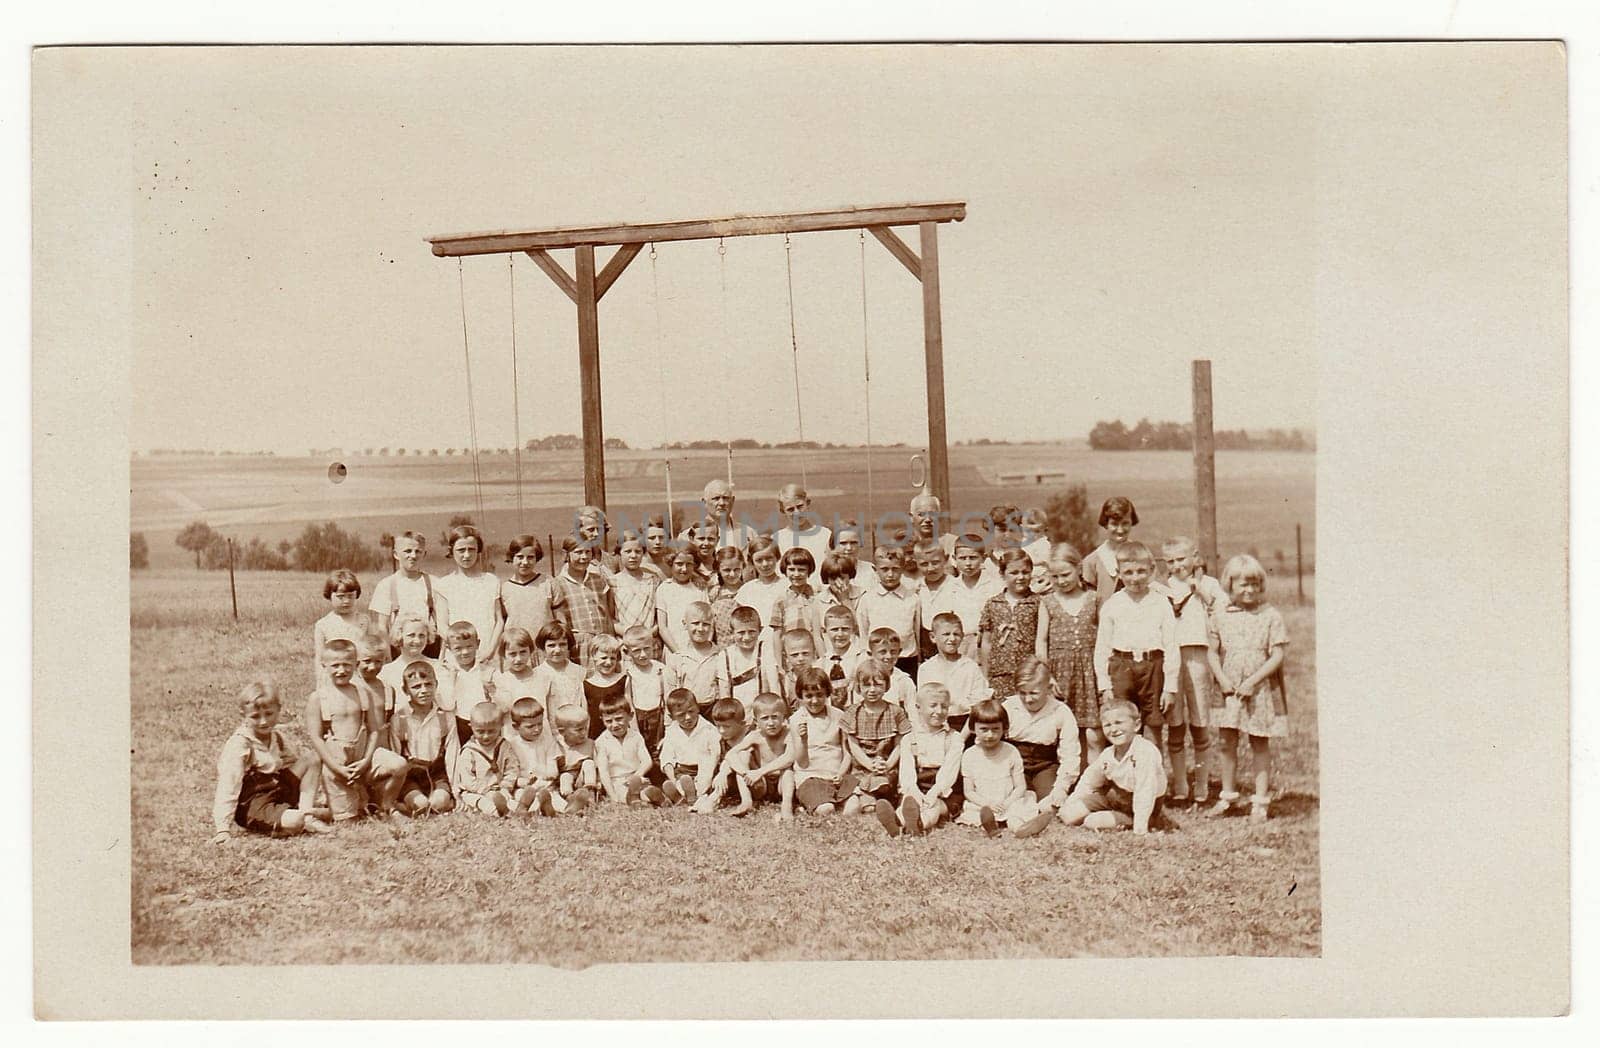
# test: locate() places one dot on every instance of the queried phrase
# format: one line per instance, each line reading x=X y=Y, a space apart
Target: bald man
x=718 y=500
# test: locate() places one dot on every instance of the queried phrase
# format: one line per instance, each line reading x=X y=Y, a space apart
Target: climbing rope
x=516 y=403
x=794 y=346
x=472 y=418
x=866 y=365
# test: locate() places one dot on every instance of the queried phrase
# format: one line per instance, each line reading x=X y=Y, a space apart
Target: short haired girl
x=1247 y=641
x=1008 y=628
x=991 y=774
x=473 y=594
x=527 y=600
x=1117 y=517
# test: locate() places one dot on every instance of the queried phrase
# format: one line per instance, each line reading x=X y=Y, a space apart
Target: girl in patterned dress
x=1068 y=621
x=1008 y=628
x=1246 y=641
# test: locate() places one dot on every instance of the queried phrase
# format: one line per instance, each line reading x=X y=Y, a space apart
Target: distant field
x=1261 y=495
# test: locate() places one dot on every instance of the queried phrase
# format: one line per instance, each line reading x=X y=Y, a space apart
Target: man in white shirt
x=717 y=497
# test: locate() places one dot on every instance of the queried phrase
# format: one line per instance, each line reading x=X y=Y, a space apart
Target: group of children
x=992 y=680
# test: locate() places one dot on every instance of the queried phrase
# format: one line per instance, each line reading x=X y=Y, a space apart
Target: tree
x=1068 y=518
x=326 y=547
x=285 y=547
x=138 y=551
x=195 y=538
x=216 y=552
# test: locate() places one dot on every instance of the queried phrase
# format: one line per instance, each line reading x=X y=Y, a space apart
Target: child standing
x=414 y=635
x=527 y=598
x=344 y=621
x=673 y=599
x=996 y=792
x=471 y=682
x=519 y=656
x=1008 y=629
x=1194 y=596
x=583 y=596
x=762 y=591
x=473 y=594
x=646 y=686
x=839 y=588
x=557 y=682
x=930 y=769
x=763 y=759
x=1123 y=786
x=872 y=729
x=605 y=679
x=723 y=596
x=1117 y=517
x=962 y=679
x=821 y=765
x=740 y=674
x=883 y=645
x=799 y=653
x=411 y=591
x=797 y=607
x=622 y=758
x=263 y=786
x=976 y=580
x=372 y=652
x=690 y=749
x=1247 y=641
x=426 y=737
x=841 y=653
x=1069 y=622
x=634 y=588
x=486 y=768
x=847 y=547
x=1137 y=642
x=893 y=605
x=696 y=667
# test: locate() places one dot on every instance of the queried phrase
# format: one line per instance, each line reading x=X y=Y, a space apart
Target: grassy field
x=626 y=885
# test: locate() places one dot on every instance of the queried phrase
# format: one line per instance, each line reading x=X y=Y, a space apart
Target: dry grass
x=651 y=886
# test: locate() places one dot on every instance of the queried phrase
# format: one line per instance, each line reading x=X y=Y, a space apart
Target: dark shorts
x=425 y=777
x=1039 y=766
x=652 y=728
x=264 y=798
x=767 y=788
x=814 y=793
x=1117 y=799
x=1139 y=683
x=953 y=803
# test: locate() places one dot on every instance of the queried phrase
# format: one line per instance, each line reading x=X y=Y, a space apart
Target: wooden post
x=1299 y=569
x=232 y=591
x=594 y=453
x=933 y=350
x=1205 y=465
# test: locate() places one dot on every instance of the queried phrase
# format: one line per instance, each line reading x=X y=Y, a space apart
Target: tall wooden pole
x=594 y=454
x=232 y=591
x=933 y=349
x=1299 y=568
x=1205 y=465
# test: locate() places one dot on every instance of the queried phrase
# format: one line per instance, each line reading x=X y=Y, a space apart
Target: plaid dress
x=876 y=731
x=587 y=604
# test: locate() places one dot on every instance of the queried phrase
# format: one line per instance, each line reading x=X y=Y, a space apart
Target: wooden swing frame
x=586 y=286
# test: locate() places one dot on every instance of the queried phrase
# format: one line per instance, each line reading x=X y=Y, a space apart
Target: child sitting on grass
x=1123 y=786
x=646 y=685
x=486 y=769
x=991 y=775
x=426 y=737
x=822 y=778
x=536 y=751
x=732 y=724
x=873 y=728
x=622 y=758
x=578 y=776
x=762 y=761
x=930 y=769
x=1044 y=732
x=263 y=785
x=690 y=750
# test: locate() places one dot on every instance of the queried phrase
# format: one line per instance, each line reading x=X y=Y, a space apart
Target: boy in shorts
x=344 y=733
x=578 y=777
x=1136 y=647
x=536 y=751
x=762 y=761
x=263 y=785
x=1192 y=594
x=1123 y=787
x=486 y=769
x=690 y=749
x=622 y=757
x=732 y=723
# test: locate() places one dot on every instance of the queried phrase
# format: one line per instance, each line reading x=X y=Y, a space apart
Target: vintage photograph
x=868 y=513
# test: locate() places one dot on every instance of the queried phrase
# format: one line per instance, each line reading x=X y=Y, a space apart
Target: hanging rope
x=661 y=383
x=866 y=365
x=516 y=403
x=472 y=418
x=794 y=346
x=727 y=349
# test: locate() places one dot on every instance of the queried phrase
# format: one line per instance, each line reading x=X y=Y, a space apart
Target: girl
x=673 y=598
x=516 y=679
x=847 y=547
x=1008 y=629
x=839 y=582
x=557 y=682
x=657 y=551
x=410 y=590
x=1247 y=641
x=605 y=680
x=1044 y=732
x=473 y=593
x=991 y=773
x=527 y=598
x=1068 y=621
x=1117 y=517
x=724 y=593
x=930 y=768
x=413 y=635
x=633 y=588
x=762 y=591
x=797 y=607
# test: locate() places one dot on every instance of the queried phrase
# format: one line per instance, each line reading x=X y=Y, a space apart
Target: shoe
x=1034 y=826
x=1223 y=806
x=546 y=803
x=911 y=816
x=671 y=792
x=653 y=796
x=686 y=787
x=887 y=819
x=1258 y=809
x=991 y=827
x=316 y=825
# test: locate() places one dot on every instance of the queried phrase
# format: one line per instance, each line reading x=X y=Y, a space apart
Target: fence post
x=233 y=592
x=1205 y=464
x=1299 y=586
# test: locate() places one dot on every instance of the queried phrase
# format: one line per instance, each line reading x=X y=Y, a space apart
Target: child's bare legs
x=1093 y=743
x=1261 y=763
x=746 y=801
x=308 y=769
x=1202 y=771
x=786 y=795
x=1228 y=755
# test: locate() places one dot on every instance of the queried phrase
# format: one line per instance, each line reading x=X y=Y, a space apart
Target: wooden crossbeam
x=898 y=248
x=553 y=269
x=699 y=229
x=614 y=268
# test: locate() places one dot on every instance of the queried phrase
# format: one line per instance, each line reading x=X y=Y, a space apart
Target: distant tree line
x=1179 y=436
x=319 y=548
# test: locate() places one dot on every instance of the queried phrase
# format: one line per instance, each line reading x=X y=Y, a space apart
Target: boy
x=585 y=599
x=486 y=768
x=426 y=737
x=536 y=752
x=799 y=652
x=843 y=653
x=621 y=757
x=372 y=653
x=1137 y=642
x=578 y=777
x=414 y=634
x=936 y=594
x=959 y=673
x=690 y=749
x=893 y=606
x=696 y=667
x=739 y=672
x=976 y=580
x=344 y=731
x=344 y=622
x=470 y=682
x=900 y=689
x=729 y=716
x=822 y=778
x=263 y=786
x=646 y=685
x=762 y=760
x=1123 y=786
x=873 y=728
x=1193 y=594
x=802 y=529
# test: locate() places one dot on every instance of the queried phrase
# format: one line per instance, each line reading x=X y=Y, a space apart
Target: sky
x=1129 y=209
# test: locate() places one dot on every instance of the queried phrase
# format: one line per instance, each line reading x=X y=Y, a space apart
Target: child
x=621 y=757
x=583 y=596
x=976 y=580
x=883 y=645
x=797 y=607
x=1122 y=786
x=557 y=682
x=341 y=589
x=527 y=598
x=822 y=778
x=1117 y=517
x=839 y=585
x=802 y=529
x=739 y=673
x=657 y=546
x=1247 y=639
x=723 y=595
x=847 y=546
x=1040 y=583
x=930 y=769
x=962 y=679
x=893 y=605
x=673 y=598
x=762 y=761
x=414 y=636
x=426 y=737
x=605 y=680
x=486 y=768
x=731 y=720
x=344 y=731
x=937 y=592
x=578 y=777
x=634 y=588
x=520 y=656
x=1008 y=629
x=411 y=591
x=762 y=591
x=991 y=773
x=696 y=667
x=1045 y=733
x=537 y=754
x=1136 y=642
x=646 y=685
x=841 y=653
x=472 y=681
x=1035 y=540
x=690 y=749
x=263 y=786
x=1194 y=597
x=473 y=594
x=873 y=728
x=372 y=653
x=703 y=541
x=1069 y=621
x=799 y=652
